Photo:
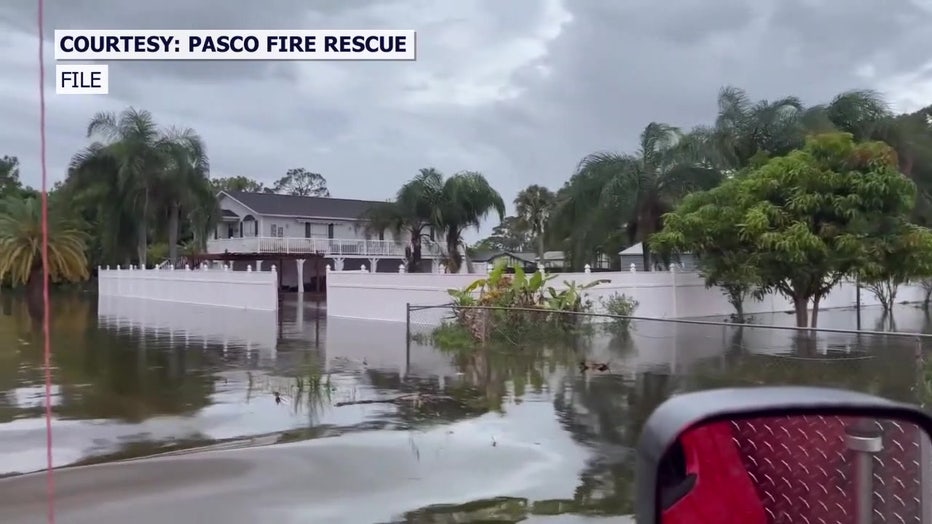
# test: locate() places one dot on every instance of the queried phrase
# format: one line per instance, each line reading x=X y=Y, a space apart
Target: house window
x=273 y=230
x=256 y=228
x=281 y=231
x=329 y=230
x=240 y=229
x=307 y=230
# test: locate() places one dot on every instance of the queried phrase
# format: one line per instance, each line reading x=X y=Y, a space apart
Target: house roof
x=229 y=214
x=492 y=255
x=301 y=206
x=528 y=256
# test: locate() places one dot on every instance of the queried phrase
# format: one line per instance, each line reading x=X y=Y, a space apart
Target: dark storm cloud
x=520 y=90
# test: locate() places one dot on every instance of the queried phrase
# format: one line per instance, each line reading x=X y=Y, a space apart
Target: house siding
x=294 y=227
x=241 y=211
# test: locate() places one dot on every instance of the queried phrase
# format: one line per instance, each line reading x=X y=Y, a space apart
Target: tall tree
x=185 y=185
x=92 y=189
x=745 y=129
x=533 y=205
x=301 y=182
x=134 y=179
x=465 y=199
x=449 y=206
x=634 y=191
x=410 y=214
x=141 y=153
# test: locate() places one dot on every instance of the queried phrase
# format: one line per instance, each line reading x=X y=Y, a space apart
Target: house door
x=230 y=231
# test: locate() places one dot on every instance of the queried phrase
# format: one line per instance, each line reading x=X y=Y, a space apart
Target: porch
x=325 y=247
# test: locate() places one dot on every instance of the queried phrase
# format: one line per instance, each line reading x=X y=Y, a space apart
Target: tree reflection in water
x=606 y=412
x=602 y=411
x=127 y=376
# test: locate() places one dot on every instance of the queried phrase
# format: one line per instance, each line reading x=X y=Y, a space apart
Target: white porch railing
x=331 y=247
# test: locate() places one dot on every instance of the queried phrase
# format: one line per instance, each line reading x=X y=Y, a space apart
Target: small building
x=635 y=255
x=510 y=259
x=297 y=228
x=554 y=261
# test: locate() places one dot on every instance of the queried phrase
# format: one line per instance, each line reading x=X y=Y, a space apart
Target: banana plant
x=570 y=298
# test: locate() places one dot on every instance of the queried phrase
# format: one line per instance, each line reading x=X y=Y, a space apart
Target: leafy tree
x=509 y=235
x=237 y=183
x=899 y=253
x=707 y=224
x=10 y=183
x=808 y=219
x=533 y=205
x=301 y=182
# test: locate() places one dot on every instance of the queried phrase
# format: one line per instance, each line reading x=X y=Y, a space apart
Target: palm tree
x=744 y=129
x=410 y=214
x=533 y=205
x=21 y=246
x=464 y=200
x=863 y=113
x=141 y=152
x=185 y=185
x=446 y=206
x=638 y=189
x=92 y=189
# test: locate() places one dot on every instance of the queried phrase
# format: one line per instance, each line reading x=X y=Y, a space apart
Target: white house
x=333 y=228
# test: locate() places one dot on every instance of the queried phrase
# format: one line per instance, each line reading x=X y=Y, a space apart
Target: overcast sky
x=519 y=90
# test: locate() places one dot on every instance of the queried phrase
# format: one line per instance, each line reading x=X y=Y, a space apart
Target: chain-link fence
x=702 y=355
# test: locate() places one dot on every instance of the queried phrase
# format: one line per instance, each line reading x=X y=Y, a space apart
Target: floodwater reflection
x=135 y=379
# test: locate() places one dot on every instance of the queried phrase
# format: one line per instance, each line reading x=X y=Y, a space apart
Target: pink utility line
x=46 y=327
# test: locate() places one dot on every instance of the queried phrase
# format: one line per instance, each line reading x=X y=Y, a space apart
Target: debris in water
x=592 y=366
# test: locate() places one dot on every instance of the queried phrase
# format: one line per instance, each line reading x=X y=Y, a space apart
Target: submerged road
x=359 y=478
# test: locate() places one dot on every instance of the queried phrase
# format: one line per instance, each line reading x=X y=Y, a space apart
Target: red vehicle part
x=786 y=469
x=706 y=482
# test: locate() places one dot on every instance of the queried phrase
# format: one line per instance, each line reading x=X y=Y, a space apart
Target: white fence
x=660 y=294
x=191 y=324
x=256 y=290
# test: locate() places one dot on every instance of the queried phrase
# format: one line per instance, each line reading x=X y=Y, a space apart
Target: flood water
x=509 y=436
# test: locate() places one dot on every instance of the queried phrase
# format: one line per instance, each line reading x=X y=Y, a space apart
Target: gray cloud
x=519 y=90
